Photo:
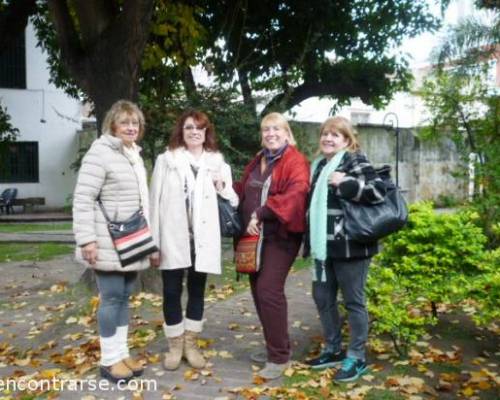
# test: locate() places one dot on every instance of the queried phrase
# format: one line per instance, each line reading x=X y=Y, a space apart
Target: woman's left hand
x=219 y=185
x=218 y=182
x=254 y=226
x=154 y=259
x=336 y=177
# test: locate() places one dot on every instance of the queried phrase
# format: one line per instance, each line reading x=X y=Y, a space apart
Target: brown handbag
x=246 y=255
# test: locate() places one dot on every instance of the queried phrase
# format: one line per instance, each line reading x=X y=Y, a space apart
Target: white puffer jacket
x=169 y=218
x=106 y=170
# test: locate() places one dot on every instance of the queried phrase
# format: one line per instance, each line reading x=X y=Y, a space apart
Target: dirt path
x=48 y=330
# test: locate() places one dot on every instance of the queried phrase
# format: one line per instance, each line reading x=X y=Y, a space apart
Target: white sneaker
x=273 y=371
x=259 y=356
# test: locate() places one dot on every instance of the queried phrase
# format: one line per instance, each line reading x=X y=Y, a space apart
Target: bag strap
x=106 y=216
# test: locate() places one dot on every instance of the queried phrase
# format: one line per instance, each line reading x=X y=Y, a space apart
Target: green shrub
x=485 y=290
x=392 y=310
x=434 y=259
x=435 y=253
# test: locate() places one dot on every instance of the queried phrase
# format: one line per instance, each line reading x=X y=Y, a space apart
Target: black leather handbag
x=229 y=219
x=368 y=223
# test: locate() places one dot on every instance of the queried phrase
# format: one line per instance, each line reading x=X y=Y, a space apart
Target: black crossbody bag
x=131 y=238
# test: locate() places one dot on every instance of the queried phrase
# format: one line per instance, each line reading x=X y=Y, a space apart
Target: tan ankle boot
x=191 y=352
x=173 y=358
x=117 y=372
x=135 y=366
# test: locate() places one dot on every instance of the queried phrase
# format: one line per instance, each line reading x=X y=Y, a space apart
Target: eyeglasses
x=193 y=127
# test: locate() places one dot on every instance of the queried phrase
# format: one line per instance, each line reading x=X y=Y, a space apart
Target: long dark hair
x=201 y=119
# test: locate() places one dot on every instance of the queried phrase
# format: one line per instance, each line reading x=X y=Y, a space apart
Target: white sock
x=110 y=350
x=121 y=338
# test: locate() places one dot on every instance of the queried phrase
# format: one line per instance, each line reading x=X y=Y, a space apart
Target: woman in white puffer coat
x=185 y=224
x=113 y=170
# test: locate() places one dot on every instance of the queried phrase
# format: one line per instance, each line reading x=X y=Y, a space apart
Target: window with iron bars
x=19 y=162
x=13 y=65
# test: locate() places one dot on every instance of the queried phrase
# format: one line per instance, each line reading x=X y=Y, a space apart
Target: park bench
x=29 y=203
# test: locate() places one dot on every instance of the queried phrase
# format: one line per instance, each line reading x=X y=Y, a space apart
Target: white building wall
x=56 y=137
x=408 y=108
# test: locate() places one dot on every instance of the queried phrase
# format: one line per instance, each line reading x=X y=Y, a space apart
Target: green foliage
x=272 y=46
x=264 y=46
x=236 y=125
x=8 y=132
x=446 y=201
x=465 y=105
x=432 y=260
x=485 y=290
x=392 y=310
x=176 y=36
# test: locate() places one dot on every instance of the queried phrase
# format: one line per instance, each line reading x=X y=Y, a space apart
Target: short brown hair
x=343 y=126
x=201 y=119
x=122 y=107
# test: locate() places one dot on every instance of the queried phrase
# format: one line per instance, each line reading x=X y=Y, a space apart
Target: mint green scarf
x=318 y=209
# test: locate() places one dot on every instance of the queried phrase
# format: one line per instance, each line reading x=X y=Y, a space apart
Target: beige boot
x=175 y=339
x=191 y=351
x=173 y=358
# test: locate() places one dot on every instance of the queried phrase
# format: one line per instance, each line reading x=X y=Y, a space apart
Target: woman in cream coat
x=113 y=170
x=185 y=224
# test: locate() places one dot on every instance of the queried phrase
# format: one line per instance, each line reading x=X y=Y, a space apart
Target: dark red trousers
x=268 y=291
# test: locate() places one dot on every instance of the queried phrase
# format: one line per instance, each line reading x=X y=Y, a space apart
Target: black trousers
x=172 y=293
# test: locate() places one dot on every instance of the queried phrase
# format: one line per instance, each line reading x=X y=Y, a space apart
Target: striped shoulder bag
x=132 y=238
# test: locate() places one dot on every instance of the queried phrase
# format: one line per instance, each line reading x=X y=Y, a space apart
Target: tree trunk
x=101 y=47
x=103 y=58
x=189 y=83
x=246 y=91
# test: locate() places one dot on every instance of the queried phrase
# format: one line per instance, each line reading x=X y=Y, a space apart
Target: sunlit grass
x=32 y=251
x=21 y=228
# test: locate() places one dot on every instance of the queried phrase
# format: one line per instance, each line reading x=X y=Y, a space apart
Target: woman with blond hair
x=340 y=172
x=112 y=179
x=273 y=193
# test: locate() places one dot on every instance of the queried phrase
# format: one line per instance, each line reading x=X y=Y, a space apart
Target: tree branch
x=94 y=17
x=246 y=90
x=67 y=36
x=285 y=101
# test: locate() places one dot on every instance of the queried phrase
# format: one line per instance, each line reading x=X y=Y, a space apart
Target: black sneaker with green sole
x=326 y=360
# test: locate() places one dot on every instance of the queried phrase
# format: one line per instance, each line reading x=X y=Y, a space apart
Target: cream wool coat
x=122 y=183
x=169 y=219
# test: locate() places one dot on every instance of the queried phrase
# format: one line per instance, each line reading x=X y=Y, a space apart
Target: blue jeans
x=115 y=289
x=350 y=276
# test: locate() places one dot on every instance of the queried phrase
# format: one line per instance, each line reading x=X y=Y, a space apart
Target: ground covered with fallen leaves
x=48 y=330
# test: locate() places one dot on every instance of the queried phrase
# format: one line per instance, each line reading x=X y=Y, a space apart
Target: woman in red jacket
x=273 y=194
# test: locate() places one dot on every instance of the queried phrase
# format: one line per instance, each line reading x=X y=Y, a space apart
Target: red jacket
x=288 y=191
